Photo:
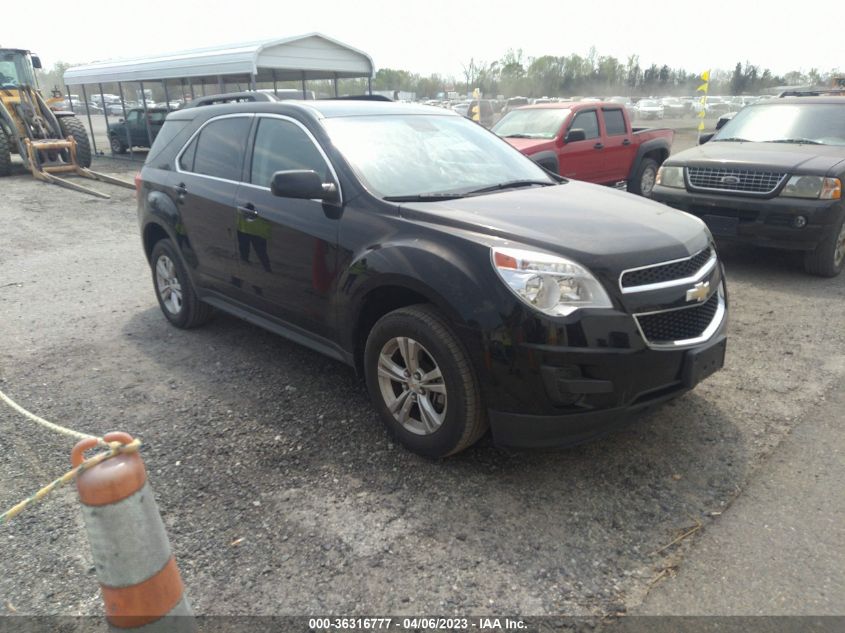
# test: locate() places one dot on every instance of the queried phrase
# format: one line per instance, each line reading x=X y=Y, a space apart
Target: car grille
x=679 y=325
x=666 y=272
x=740 y=180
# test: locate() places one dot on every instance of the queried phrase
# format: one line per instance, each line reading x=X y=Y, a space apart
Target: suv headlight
x=670 y=176
x=551 y=284
x=813 y=187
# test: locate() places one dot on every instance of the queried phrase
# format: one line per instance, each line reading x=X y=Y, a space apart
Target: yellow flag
x=701 y=114
x=701 y=126
x=703 y=87
x=705 y=76
x=476 y=94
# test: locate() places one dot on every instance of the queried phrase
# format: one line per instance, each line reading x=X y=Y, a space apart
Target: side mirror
x=705 y=137
x=574 y=135
x=304 y=184
x=36 y=62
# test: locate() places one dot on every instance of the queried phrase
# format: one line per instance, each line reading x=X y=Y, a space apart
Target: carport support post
x=275 y=87
x=336 y=94
x=166 y=96
x=192 y=88
x=252 y=85
x=303 y=85
x=105 y=112
x=125 y=127
x=70 y=100
x=146 y=116
x=221 y=85
x=370 y=85
x=88 y=114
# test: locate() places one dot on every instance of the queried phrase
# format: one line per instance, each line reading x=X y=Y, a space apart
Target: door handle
x=626 y=142
x=598 y=146
x=248 y=212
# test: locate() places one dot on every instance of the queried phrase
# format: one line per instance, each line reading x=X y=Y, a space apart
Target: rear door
x=287 y=247
x=204 y=185
x=583 y=160
x=618 y=146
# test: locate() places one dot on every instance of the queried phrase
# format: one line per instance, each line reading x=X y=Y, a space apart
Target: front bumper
x=663 y=377
x=757 y=221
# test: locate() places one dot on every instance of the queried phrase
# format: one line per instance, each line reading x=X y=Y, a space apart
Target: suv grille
x=666 y=272
x=741 y=180
x=679 y=325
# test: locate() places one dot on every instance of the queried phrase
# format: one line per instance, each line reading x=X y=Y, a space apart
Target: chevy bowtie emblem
x=699 y=292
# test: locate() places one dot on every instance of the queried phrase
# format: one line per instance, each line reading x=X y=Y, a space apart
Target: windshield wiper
x=520 y=135
x=424 y=197
x=511 y=184
x=802 y=141
x=736 y=139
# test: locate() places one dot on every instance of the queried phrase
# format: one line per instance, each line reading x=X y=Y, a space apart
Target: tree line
x=553 y=76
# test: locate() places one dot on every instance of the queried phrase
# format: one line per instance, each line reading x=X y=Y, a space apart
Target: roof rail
x=835 y=92
x=229 y=97
x=362 y=98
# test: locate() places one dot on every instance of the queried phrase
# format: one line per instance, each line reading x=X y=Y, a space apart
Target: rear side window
x=186 y=162
x=280 y=146
x=167 y=133
x=587 y=121
x=614 y=122
x=220 y=148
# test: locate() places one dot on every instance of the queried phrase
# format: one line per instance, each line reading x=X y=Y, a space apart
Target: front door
x=584 y=160
x=287 y=247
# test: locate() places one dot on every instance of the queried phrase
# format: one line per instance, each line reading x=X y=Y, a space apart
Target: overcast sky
x=428 y=36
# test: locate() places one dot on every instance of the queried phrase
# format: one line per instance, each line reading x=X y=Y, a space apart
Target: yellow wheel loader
x=49 y=142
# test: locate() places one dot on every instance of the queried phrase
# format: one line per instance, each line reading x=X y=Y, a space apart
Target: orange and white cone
x=141 y=585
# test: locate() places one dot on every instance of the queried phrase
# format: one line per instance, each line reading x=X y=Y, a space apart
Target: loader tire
x=5 y=154
x=71 y=126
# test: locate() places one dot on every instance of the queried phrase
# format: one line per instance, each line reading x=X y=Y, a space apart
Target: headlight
x=670 y=176
x=551 y=284
x=813 y=187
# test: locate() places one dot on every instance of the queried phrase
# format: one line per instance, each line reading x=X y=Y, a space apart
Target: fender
x=162 y=213
x=645 y=148
x=443 y=275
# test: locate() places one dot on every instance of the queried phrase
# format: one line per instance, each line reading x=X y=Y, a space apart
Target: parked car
x=461 y=108
x=485 y=112
x=134 y=131
x=649 y=109
x=674 y=108
x=627 y=103
x=588 y=141
x=465 y=283
x=513 y=103
x=772 y=176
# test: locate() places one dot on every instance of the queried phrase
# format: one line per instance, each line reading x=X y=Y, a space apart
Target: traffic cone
x=141 y=585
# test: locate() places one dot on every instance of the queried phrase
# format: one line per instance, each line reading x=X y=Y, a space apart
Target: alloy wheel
x=412 y=385
x=647 y=181
x=167 y=284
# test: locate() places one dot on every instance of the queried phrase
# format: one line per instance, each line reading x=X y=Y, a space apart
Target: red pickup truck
x=588 y=140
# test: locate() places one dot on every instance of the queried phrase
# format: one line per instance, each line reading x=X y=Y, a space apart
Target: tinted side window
x=186 y=163
x=587 y=121
x=221 y=147
x=170 y=130
x=281 y=145
x=614 y=122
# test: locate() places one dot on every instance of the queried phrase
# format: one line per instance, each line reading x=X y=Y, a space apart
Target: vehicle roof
x=322 y=108
x=793 y=100
x=570 y=105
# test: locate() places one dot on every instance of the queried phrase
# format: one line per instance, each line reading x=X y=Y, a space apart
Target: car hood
x=788 y=157
x=530 y=145
x=606 y=230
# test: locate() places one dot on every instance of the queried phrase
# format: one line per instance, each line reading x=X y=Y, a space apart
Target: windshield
x=539 y=123
x=818 y=123
x=408 y=155
x=15 y=70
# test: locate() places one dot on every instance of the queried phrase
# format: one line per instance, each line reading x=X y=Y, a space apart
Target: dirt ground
x=280 y=490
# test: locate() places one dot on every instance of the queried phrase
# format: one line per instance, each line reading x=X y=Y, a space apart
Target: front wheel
x=175 y=292
x=71 y=126
x=643 y=181
x=422 y=382
x=117 y=146
x=5 y=154
x=828 y=259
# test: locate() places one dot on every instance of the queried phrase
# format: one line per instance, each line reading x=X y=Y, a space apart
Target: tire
x=456 y=419
x=71 y=126
x=5 y=154
x=643 y=182
x=117 y=146
x=180 y=305
x=828 y=259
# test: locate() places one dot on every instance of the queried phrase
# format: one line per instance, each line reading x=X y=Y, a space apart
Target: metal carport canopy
x=311 y=56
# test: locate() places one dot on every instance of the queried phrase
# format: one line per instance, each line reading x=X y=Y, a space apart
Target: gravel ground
x=279 y=488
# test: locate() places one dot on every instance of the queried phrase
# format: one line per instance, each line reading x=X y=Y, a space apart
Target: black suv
x=468 y=285
x=771 y=176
